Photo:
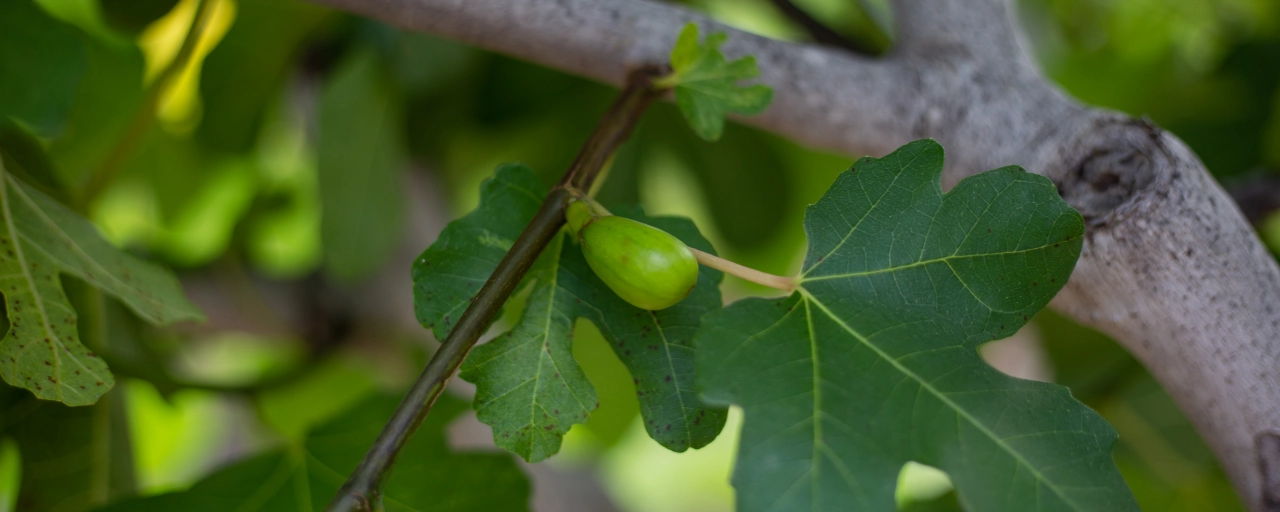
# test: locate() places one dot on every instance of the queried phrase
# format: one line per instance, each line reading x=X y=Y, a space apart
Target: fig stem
x=598 y=209
x=785 y=284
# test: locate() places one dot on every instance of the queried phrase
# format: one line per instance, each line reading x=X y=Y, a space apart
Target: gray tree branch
x=1170 y=267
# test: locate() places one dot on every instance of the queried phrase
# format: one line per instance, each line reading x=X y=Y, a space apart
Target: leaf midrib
x=14 y=238
x=853 y=229
x=554 y=284
x=671 y=366
x=944 y=259
x=960 y=411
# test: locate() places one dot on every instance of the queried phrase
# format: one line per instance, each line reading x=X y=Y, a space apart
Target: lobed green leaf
x=529 y=388
x=873 y=362
x=39 y=239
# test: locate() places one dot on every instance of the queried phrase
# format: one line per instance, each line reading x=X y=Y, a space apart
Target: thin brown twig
x=360 y=492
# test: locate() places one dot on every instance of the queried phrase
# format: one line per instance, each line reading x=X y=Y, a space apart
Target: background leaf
x=73 y=458
x=359 y=158
x=106 y=97
x=41 y=61
x=24 y=156
x=132 y=16
x=874 y=363
x=529 y=388
x=706 y=84
x=428 y=475
x=249 y=66
x=42 y=351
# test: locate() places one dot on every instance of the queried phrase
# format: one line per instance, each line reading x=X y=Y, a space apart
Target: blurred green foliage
x=306 y=475
x=243 y=194
x=359 y=169
x=41 y=61
x=1206 y=70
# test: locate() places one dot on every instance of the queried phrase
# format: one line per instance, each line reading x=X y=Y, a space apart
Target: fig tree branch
x=359 y=493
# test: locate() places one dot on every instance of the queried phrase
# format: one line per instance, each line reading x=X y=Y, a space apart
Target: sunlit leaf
x=428 y=476
x=39 y=239
x=873 y=362
x=529 y=388
x=706 y=84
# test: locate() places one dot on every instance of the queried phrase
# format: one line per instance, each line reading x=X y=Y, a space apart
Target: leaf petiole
x=785 y=284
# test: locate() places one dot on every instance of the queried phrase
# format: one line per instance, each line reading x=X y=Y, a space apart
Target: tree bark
x=1170 y=267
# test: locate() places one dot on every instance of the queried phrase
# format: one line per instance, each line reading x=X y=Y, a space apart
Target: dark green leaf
x=359 y=170
x=706 y=84
x=41 y=60
x=428 y=475
x=73 y=458
x=134 y=15
x=873 y=362
x=105 y=101
x=24 y=156
x=39 y=239
x=529 y=388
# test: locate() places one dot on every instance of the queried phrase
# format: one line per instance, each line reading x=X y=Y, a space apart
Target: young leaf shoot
x=707 y=85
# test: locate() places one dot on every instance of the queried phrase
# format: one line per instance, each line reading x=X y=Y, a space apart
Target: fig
x=646 y=266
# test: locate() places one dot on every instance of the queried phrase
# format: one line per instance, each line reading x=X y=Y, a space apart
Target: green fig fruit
x=644 y=265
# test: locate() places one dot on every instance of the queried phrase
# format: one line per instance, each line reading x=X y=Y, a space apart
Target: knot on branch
x=1121 y=158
